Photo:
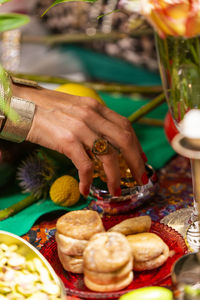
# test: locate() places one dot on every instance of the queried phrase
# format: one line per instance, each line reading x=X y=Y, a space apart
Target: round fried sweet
x=108 y=278
x=71 y=263
x=149 y=251
x=153 y=263
x=107 y=252
x=80 y=224
x=146 y=246
x=70 y=246
x=109 y=287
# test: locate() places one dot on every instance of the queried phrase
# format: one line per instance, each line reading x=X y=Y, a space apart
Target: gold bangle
x=25 y=82
x=16 y=122
x=18 y=129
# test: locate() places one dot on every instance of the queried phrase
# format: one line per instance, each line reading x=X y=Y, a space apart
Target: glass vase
x=179 y=64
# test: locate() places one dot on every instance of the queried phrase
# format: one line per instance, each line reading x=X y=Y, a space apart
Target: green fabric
x=152 y=139
x=103 y=67
x=21 y=222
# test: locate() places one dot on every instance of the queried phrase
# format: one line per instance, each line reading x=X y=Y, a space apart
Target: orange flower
x=173 y=17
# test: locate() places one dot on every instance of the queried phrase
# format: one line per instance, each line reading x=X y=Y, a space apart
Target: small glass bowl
x=131 y=197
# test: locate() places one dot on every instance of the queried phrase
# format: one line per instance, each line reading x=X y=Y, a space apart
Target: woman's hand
x=70 y=125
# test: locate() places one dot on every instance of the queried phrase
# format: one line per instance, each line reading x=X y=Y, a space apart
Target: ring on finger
x=100 y=146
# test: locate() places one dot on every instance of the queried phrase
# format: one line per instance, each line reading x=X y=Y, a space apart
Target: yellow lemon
x=65 y=191
x=79 y=90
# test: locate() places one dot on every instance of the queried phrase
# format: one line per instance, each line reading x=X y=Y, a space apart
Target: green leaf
x=12 y=21
x=4 y=103
x=62 y=1
x=4 y=1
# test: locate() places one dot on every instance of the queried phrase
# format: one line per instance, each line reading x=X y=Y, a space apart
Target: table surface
x=175 y=192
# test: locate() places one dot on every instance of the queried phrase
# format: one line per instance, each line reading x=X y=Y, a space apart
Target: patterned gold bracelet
x=16 y=129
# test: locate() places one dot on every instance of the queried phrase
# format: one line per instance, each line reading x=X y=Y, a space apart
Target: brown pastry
x=71 y=263
x=109 y=287
x=107 y=252
x=133 y=225
x=74 y=229
x=149 y=251
x=109 y=277
x=70 y=246
x=80 y=224
x=107 y=262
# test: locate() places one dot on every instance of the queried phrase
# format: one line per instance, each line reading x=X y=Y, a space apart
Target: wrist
x=40 y=96
x=25 y=92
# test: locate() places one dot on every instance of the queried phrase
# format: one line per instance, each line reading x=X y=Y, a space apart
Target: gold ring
x=100 y=147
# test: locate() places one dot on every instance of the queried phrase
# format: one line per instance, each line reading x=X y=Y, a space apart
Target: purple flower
x=35 y=175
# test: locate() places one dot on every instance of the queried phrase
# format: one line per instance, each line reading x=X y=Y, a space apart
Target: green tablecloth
x=103 y=67
x=152 y=139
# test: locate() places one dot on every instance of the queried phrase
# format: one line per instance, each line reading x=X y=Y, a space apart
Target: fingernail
x=144 y=157
x=145 y=178
x=86 y=192
x=118 y=192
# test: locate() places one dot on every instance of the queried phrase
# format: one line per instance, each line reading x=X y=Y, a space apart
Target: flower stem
x=81 y=37
x=17 y=207
x=98 y=86
x=146 y=108
x=151 y=122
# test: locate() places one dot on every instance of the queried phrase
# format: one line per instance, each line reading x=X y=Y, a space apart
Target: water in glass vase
x=179 y=63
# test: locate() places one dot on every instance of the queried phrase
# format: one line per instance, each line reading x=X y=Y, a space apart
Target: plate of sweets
x=104 y=258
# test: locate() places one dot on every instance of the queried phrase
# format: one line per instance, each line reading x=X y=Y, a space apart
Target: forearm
x=42 y=97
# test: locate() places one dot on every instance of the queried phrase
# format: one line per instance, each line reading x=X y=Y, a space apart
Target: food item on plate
x=72 y=264
x=74 y=229
x=70 y=246
x=149 y=251
x=80 y=224
x=109 y=287
x=107 y=252
x=133 y=225
x=107 y=262
x=112 y=277
x=23 y=278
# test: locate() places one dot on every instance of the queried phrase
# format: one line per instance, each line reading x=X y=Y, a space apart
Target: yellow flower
x=79 y=90
x=173 y=17
x=65 y=191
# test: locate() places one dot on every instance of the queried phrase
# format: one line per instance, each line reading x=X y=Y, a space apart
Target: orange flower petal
x=162 y=23
x=192 y=26
x=178 y=17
